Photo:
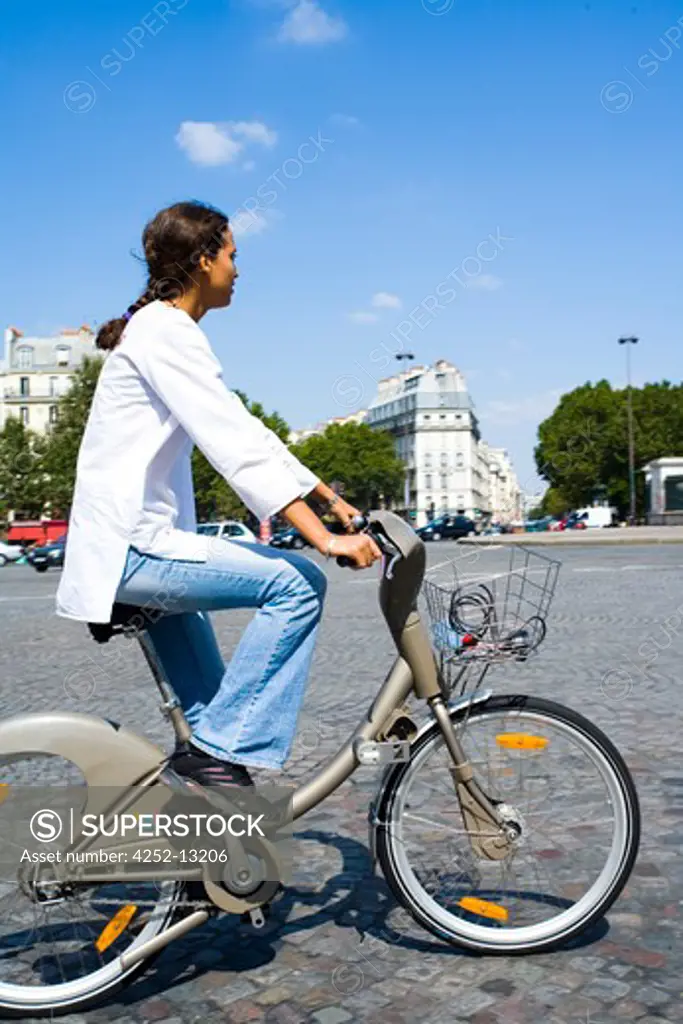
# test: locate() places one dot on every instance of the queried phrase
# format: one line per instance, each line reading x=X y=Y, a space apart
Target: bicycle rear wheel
x=62 y=954
x=567 y=796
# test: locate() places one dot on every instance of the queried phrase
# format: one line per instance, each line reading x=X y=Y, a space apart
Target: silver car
x=228 y=529
x=9 y=552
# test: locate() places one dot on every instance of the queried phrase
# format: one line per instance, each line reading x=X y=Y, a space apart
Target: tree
x=583 y=446
x=64 y=440
x=363 y=459
x=23 y=485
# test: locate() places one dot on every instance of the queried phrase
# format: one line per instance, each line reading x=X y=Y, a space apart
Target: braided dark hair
x=173 y=242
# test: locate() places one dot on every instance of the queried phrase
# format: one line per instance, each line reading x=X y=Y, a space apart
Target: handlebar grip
x=345 y=562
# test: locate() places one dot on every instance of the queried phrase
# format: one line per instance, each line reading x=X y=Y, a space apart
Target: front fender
x=107 y=754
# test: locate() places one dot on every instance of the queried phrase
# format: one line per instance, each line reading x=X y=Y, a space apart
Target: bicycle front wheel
x=569 y=803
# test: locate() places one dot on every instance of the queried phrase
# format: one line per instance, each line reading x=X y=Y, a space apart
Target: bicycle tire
x=385 y=844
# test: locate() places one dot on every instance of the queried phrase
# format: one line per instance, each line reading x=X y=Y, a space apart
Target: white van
x=596 y=516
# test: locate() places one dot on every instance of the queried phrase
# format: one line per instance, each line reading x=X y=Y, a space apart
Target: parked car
x=447 y=528
x=290 y=538
x=9 y=553
x=539 y=525
x=228 y=529
x=42 y=558
x=575 y=521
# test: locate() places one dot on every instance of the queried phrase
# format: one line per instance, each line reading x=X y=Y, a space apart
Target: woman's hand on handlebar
x=360 y=548
x=345 y=513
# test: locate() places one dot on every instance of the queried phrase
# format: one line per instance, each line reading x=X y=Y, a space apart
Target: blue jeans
x=245 y=713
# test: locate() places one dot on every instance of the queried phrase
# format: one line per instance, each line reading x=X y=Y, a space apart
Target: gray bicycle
x=504 y=824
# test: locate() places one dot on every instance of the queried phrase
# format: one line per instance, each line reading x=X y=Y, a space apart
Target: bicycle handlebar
x=363 y=525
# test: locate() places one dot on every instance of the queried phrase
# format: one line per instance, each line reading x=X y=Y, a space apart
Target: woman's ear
x=204 y=263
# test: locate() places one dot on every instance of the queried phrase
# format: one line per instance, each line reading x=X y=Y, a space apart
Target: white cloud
x=246 y=222
x=309 y=24
x=485 y=283
x=362 y=317
x=254 y=131
x=385 y=300
x=211 y=144
x=532 y=409
x=345 y=120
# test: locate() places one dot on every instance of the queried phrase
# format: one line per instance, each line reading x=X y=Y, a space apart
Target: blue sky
x=436 y=126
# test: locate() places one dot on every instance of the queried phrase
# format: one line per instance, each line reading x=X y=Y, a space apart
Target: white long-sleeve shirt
x=160 y=393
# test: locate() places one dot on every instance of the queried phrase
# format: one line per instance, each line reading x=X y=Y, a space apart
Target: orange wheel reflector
x=4 y=791
x=483 y=908
x=521 y=741
x=118 y=924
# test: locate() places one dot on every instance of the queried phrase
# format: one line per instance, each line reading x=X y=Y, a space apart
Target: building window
x=428 y=458
x=444 y=502
x=444 y=482
x=459 y=460
x=427 y=416
x=25 y=357
x=673 y=494
x=63 y=355
x=444 y=458
x=23 y=413
x=53 y=414
x=53 y=386
x=24 y=387
x=428 y=481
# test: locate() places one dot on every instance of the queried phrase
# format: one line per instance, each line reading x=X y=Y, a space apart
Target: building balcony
x=14 y=395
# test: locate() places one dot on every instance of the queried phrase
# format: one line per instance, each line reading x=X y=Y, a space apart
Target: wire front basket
x=489 y=604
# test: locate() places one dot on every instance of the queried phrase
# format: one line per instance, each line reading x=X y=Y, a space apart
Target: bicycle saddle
x=122 y=615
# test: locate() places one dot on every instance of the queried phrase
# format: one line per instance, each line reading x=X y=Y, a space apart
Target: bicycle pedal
x=373 y=753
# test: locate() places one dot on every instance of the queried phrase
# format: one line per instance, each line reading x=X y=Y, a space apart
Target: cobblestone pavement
x=336 y=949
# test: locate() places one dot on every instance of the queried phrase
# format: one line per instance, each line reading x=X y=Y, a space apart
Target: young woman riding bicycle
x=132 y=532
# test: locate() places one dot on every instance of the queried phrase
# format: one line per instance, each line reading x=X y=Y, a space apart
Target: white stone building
x=300 y=435
x=35 y=373
x=431 y=415
x=664 y=491
x=504 y=493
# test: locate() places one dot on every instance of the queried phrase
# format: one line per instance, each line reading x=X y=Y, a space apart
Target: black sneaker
x=193 y=763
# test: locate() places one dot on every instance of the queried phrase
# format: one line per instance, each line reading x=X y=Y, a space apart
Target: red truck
x=41 y=531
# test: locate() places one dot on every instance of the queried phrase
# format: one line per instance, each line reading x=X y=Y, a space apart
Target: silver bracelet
x=332 y=502
x=329 y=552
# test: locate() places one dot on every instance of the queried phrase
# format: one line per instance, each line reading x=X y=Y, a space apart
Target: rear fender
x=107 y=754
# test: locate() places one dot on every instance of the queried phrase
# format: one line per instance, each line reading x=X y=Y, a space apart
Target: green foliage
x=554 y=503
x=23 y=484
x=364 y=460
x=583 y=446
x=64 y=439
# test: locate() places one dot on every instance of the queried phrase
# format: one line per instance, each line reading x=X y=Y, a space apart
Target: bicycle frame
x=415 y=670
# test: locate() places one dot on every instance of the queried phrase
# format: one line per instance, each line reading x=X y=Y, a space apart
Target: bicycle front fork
x=484 y=824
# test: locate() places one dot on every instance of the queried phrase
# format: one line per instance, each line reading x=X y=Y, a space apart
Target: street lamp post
x=631 y=451
x=406 y=482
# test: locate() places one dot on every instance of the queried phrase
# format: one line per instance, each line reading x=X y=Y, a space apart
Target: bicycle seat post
x=170 y=704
